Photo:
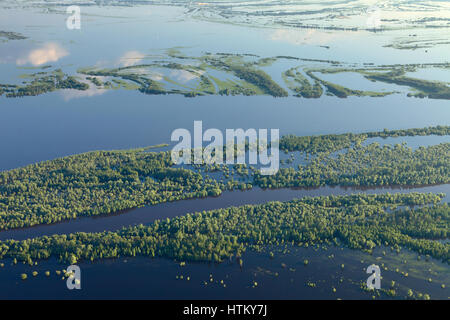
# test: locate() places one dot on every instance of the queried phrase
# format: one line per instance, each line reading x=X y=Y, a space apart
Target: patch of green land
x=360 y=222
x=104 y=182
x=42 y=82
x=298 y=83
x=241 y=74
x=423 y=88
x=255 y=81
x=387 y=74
x=8 y=35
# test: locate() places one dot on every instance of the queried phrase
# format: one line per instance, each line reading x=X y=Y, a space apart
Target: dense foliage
x=42 y=83
x=356 y=221
x=11 y=35
x=334 y=142
x=260 y=79
x=424 y=88
x=96 y=183
x=371 y=165
x=236 y=74
x=104 y=182
x=298 y=83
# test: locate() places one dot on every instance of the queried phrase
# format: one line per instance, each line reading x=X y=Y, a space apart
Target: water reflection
x=49 y=52
x=162 y=211
x=70 y=94
x=130 y=58
x=184 y=76
x=124 y=119
x=310 y=37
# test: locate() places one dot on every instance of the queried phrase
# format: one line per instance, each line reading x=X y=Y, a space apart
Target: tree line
x=358 y=221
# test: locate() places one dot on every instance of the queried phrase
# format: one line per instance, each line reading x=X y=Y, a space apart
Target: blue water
x=68 y=122
x=48 y=126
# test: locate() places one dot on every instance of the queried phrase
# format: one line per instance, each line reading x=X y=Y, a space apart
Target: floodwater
x=66 y=122
x=161 y=211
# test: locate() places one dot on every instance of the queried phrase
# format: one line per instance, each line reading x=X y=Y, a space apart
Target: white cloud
x=69 y=94
x=49 y=52
x=183 y=75
x=156 y=76
x=130 y=58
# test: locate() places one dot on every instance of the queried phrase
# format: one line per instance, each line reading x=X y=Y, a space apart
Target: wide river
x=149 y=214
x=68 y=122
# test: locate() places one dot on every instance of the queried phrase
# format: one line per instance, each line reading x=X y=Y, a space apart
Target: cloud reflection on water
x=69 y=94
x=307 y=37
x=49 y=52
x=130 y=58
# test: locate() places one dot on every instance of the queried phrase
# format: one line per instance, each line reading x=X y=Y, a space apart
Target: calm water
x=172 y=209
x=45 y=127
x=283 y=277
x=67 y=122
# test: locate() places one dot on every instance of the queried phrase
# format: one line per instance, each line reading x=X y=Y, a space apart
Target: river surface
x=282 y=277
x=66 y=122
x=149 y=214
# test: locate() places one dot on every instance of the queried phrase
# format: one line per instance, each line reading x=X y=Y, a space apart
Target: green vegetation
x=413 y=42
x=144 y=84
x=43 y=82
x=104 y=182
x=337 y=90
x=388 y=74
x=8 y=35
x=206 y=85
x=357 y=221
x=258 y=78
x=234 y=74
x=293 y=77
x=254 y=81
x=234 y=88
x=358 y=165
x=343 y=92
x=152 y=87
x=335 y=142
x=266 y=62
x=370 y=165
x=424 y=88
x=96 y=183
x=95 y=81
